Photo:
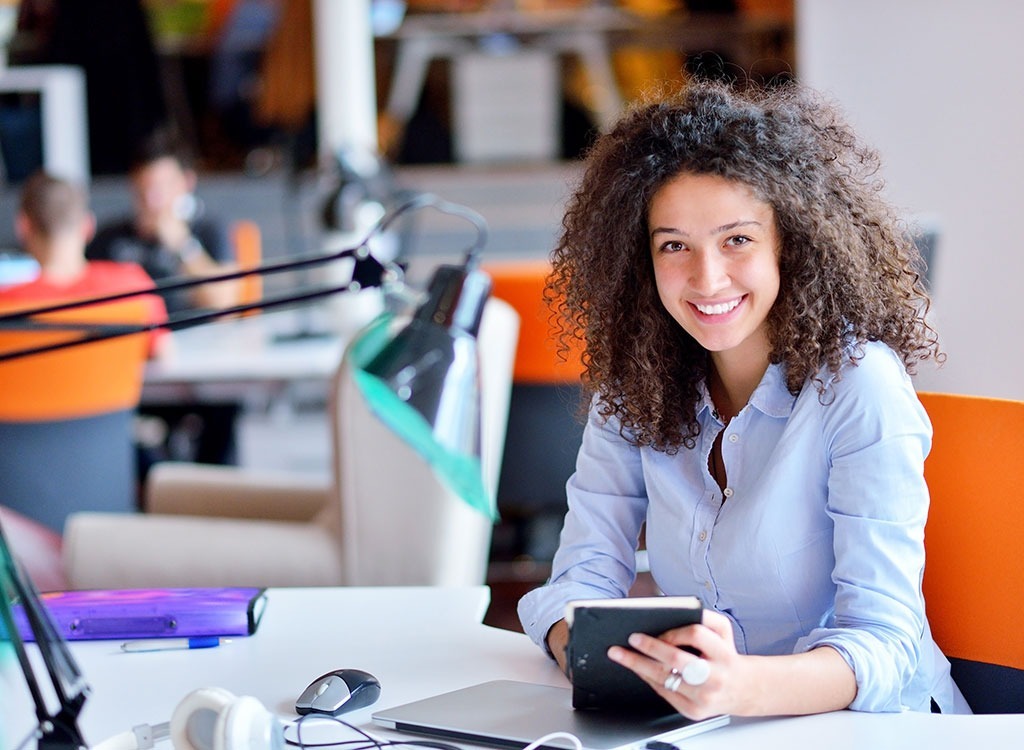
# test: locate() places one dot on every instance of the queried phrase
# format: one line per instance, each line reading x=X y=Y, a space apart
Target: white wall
x=937 y=86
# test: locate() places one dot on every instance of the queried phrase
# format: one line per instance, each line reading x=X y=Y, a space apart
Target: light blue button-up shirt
x=818 y=538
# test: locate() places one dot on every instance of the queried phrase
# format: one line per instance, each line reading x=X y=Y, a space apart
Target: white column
x=347 y=123
x=346 y=84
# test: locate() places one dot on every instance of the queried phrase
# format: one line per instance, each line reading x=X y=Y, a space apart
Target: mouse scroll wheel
x=322 y=688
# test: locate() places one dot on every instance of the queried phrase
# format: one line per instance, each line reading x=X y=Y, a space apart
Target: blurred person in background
x=169 y=235
x=54 y=224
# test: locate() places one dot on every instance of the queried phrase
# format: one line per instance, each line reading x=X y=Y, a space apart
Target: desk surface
x=261 y=347
x=418 y=642
x=236 y=359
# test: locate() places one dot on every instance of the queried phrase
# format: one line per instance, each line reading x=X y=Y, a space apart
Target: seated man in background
x=169 y=236
x=54 y=224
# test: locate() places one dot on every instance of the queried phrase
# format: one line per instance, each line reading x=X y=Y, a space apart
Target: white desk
x=258 y=355
x=419 y=642
x=234 y=359
x=416 y=641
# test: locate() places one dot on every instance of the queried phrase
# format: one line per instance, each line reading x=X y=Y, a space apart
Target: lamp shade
x=424 y=382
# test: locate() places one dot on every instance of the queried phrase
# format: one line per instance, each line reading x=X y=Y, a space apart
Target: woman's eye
x=738 y=241
x=672 y=247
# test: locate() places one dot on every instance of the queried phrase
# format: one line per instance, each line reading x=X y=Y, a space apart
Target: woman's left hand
x=729 y=685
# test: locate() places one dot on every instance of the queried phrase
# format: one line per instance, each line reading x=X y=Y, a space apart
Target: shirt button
x=727 y=492
x=733 y=438
x=703 y=535
x=707 y=585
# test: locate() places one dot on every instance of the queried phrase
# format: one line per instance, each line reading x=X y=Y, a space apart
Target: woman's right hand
x=557 y=640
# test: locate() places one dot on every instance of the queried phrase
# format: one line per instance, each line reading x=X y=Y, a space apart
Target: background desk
x=419 y=642
x=591 y=33
x=244 y=358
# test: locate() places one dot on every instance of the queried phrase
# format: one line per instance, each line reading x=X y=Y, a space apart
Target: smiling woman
x=750 y=309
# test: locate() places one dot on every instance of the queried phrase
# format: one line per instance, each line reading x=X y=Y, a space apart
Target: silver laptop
x=506 y=713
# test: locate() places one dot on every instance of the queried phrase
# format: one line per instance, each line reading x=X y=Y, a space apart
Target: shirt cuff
x=880 y=673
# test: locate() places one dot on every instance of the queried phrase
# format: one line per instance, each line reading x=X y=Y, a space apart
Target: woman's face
x=715 y=248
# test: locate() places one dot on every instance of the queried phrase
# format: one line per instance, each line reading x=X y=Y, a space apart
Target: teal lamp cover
x=424 y=381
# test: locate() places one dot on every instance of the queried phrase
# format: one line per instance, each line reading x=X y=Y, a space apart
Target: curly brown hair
x=850 y=271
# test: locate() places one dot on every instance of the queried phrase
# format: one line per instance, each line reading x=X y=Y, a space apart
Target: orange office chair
x=974 y=578
x=544 y=431
x=66 y=417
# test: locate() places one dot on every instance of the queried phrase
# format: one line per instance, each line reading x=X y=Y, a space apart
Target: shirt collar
x=771 y=397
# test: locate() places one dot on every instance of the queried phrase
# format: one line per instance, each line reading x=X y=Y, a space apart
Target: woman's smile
x=717 y=311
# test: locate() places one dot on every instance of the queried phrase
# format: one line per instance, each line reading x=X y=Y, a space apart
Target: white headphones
x=215 y=719
x=209 y=719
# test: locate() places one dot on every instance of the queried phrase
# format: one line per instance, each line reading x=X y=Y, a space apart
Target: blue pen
x=172 y=644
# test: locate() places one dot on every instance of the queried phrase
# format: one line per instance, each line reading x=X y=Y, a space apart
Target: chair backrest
x=80 y=381
x=248 y=243
x=399 y=524
x=521 y=284
x=974 y=577
x=66 y=418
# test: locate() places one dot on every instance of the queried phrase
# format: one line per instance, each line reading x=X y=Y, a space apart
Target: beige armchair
x=384 y=518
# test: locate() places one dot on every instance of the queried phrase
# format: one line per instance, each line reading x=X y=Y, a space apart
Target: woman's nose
x=709 y=274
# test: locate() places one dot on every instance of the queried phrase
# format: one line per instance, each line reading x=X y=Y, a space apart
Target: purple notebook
x=152 y=613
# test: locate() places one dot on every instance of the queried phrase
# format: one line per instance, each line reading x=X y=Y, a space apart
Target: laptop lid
x=506 y=713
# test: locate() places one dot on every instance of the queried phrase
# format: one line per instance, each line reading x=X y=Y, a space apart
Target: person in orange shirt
x=54 y=224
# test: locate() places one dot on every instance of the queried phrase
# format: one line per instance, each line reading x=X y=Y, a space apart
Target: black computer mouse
x=338 y=692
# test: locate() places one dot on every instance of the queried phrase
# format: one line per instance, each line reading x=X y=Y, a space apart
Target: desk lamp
x=421 y=379
x=60 y=697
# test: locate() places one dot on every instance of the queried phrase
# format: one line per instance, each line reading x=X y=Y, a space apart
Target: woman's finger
x=718 y=622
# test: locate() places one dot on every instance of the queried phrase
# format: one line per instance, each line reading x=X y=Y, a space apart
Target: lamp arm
x=368 y=272
x=101 y=332
x=364 y=276
x=446 y=207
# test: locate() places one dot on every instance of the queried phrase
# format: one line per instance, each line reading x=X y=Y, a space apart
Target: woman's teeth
x=720 y=309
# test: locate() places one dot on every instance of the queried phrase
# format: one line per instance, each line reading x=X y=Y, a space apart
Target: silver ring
x=673 y=681
x=696 y=673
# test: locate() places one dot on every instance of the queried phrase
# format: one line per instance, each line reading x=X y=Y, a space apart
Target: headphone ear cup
x=195 y=718
x=247 y=725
